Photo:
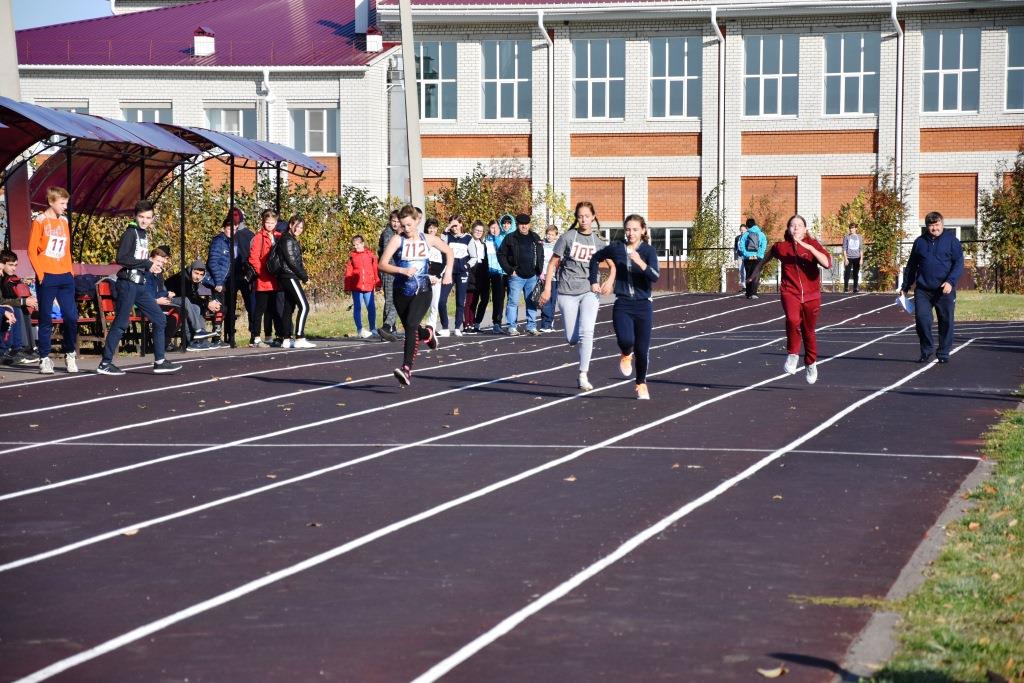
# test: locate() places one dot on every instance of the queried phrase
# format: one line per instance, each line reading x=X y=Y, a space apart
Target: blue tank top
x=415 y=253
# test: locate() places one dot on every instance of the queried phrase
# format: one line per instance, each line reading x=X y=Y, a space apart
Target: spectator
x=459 y=243
x=388 y=329
x=498 y=278
x=361 y=280
x=936 y=263
x=49 y=250
x=221 y=263
x=436 y=266
x=292 y=275
x=131 y=290
x=266 y=284
x=752 y=246
x=521 y=256
x=547 y=310
x=478 y=283
x=184 y=293
x=737 y=254
x=851 y=258
x=16 y=345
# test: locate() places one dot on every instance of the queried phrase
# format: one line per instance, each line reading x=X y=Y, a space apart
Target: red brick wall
x=635 y=144
x=781 y=191
x=475 y=146
x=219 y=173
x=672 y=199
x=811 y=142
x=608 y=195
x=837 y=190
x=976 y=139
x=954 y=195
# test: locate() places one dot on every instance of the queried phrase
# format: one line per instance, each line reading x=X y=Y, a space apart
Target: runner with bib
x=411 y=251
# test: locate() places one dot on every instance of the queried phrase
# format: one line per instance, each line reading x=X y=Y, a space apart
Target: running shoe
x=513 y=331
x=431 y=338
x=105 y=368
x=303 y=343
x=792 y=361
x=546 y=330
x=386 y=334
x=812 y=373
x=584 y=383
x=203 y=334
x=443 y=332
x=256 y=343
x=626 y=365
x=365 y=334
x=457 y=332
x=71 y=361
x=166 y=367
x=287 y=343
x=496 y=329
x=196 y=347
x=46 y=366
x=276 y=343
x=532 y=331
x=641 y=393
x=404 y=375
x=23 y=358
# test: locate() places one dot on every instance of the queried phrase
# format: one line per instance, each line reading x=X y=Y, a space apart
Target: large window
x=150 y=114
x=950 y=75
x=234 y=121
x=599 y=78
x=1015 y=68
x=435 y=73
x=315 y=131
x=851 y=73
x=675 y=77
x=508 y=68
x=771 y=65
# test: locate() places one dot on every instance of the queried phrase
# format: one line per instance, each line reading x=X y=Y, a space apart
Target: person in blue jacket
x=936 y=262
x=499 y=280
x=635 y=269
x=752 y=247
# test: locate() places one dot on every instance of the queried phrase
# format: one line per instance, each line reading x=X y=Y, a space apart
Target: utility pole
x=412 y=105
x=19 y=215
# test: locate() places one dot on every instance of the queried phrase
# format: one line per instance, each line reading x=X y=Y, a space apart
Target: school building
x=637 y=106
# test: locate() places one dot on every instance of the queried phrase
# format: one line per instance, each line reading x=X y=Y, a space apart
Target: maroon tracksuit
x=801 y=293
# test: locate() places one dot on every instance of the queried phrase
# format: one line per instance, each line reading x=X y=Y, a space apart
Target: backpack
x=274 y=261
x=753 y=241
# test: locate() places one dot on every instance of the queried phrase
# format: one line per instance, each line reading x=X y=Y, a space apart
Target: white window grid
x=843 y=75
x=779 y=78
x=590 y=82
x=496 y=45
x=231 y=121
x=943 y=72
x=1014 y=34
x=691 y=72
x=316 y=131
x=439 y=81
x=147 y=114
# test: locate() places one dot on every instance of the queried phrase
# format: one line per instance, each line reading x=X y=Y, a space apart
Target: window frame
x=942 y=72
x=169 y=110
x=667 y=79
x=440 y=81
x=328 y=136
x=782 y=75
x=1006 y=81
x=516 y=81
x=605 y=80
x=241 y=112
x=842 y=74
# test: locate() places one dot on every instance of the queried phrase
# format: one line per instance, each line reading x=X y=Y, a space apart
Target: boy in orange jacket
x=361 y=279
x=49 y=251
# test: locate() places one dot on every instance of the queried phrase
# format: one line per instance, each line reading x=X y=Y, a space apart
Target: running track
x=300 y=517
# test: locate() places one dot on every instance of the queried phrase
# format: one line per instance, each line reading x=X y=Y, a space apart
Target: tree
x=705 y=256
x=1002 y=226
x=552 y=206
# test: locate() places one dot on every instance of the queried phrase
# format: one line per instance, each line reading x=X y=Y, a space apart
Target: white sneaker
x=458 y=332
x=363 y=334
x=443 y=333
x=584 y=383
x=303 y=343
x=46 y=366
x=286 y=343
x=812 y=373
x=792 y=360
x=513 y=331
x=71 y=361
x=256 y=343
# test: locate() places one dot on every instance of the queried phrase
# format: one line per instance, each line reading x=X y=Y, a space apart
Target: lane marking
x=510 y=622
x=279 y=575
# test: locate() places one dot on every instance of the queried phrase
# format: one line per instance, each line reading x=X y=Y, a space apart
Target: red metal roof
x=264 y=33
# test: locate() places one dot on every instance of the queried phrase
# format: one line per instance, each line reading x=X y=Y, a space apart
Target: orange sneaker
x=626 y=365
x=641 y=392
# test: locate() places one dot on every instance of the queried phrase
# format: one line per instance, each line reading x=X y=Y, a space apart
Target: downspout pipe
x=898 y=170
x=551 y=109
x=721 y=114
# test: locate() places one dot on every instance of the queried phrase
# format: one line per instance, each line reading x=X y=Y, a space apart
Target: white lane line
x=269 y=579
x=303 y=392
x=167 y=388
x=513 y=620
x=393 y=448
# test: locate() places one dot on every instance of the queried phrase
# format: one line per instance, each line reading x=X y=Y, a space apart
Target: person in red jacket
x=361 y=279
x=266 y=283
x=801 y=257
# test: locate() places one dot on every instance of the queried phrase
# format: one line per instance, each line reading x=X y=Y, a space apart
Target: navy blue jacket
x=218 y=258
x=630 y=281
x=934 y=260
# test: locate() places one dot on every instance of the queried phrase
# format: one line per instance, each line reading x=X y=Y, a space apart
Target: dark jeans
x=944 y=304
x=851 y=270
x=547 y=311
x=752 y=285
x=632 y=320
x=499 y=283
x=411 y=310
x=459 y=285
x=129 y=295
x=390 y=314
x=62 y=288
x=15 y=338
x=268 y=309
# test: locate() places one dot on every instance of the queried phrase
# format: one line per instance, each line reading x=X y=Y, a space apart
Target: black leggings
x=632 y=320
x=499 y=283
x=294 y=298
x=411 y=310
x=268 y=310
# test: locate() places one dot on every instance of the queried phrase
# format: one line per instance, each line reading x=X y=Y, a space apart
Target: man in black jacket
x=131 y=290
x=521 y=256
x=184 y=292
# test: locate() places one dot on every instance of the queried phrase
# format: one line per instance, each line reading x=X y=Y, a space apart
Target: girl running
x=635 y=270
x=801 y=257
x=411 y=249
x=571 y=259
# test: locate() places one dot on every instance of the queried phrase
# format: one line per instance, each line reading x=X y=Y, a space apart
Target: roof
x=315 y=33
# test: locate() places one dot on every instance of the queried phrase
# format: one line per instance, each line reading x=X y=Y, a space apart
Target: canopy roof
x=114 y=163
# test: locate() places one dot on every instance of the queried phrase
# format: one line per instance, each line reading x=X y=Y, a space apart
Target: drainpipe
x=721 y=113
x=897 y=171
x=551 y=109
x=267 y=98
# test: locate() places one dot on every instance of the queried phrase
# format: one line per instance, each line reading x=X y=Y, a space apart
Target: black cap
x=523 y=219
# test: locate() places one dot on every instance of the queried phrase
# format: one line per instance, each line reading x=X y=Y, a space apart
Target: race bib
x=56 y=246
x=414 y=250
x=142 y=249
x=854 y=243
x=580 y=251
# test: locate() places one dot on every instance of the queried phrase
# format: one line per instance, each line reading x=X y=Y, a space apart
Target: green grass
x=987 y=306
x=967 y=619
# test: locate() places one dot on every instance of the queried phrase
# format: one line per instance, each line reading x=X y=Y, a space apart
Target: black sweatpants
x=294 y=298
x=499 y=285
x=632 y=320
x=852 y=270
x=411 y=310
